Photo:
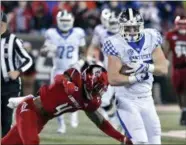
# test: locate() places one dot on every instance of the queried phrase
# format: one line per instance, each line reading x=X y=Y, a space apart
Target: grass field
x=88 y=133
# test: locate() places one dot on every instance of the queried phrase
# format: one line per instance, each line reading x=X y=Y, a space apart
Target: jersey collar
x=62 y=35
x=137 y=46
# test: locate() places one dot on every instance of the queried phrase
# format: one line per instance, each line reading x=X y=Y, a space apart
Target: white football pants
x=139 y=119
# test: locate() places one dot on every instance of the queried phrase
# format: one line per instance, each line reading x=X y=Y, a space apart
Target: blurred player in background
x=66 y=43
x=69 y=92
x=108 y=28
x=136 y=53
x=175 y=43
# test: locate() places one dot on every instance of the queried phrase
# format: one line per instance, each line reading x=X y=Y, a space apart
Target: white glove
x=137 y=78
x=50 y=47
x=14 y=102
x=140 y=68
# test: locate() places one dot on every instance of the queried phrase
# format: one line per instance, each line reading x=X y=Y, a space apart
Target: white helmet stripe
x=130 y=14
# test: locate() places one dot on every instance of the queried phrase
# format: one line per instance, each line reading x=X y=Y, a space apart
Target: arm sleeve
x=109 y=49
x=23 y=55
x=96 y=38
x=157 y=39
x=82 y=39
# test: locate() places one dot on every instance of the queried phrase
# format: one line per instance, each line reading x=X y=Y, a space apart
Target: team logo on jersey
x=130 y=52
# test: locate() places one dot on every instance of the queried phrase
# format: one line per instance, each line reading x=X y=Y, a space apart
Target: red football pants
x=28 y=125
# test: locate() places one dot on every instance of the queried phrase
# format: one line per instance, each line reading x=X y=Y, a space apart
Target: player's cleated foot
x=74 y=124
x=183 y=118
x=61 y=130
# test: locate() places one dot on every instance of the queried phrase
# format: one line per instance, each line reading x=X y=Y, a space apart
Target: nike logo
x=145 y=48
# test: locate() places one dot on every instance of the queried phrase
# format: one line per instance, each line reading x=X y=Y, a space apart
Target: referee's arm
x=23 y=55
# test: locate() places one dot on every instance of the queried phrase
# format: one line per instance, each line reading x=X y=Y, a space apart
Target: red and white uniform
x=55 y=102
x=177 y=44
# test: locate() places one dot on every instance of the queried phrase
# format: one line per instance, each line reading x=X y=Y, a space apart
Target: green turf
x=88 y=133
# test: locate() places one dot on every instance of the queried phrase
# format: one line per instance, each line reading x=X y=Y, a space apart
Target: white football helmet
x=105 y=14
x=113 y=25
x=65 y=20
x=131 y=25
x=180 y=24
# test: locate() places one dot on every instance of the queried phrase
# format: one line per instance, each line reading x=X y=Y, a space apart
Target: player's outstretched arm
x=160 y=62
x=106 y=127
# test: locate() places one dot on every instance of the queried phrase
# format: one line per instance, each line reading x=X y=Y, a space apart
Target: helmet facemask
x=131 y=27
x=65 y=21
x=95 y=81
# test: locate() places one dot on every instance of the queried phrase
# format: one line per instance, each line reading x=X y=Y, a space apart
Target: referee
x=14 y=61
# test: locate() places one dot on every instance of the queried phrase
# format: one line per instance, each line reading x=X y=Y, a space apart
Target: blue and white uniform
x=136 y=109
x=67 y=52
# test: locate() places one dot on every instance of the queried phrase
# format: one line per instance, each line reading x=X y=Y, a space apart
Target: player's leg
x=12 y=137
x=179 y=86
x=74 y=119
x=183 y=97
x=131 y=121
x=27 y=124
x=151 y=121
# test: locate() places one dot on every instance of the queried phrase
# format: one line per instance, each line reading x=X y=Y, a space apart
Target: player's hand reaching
x=127 y=141
x=70 y=87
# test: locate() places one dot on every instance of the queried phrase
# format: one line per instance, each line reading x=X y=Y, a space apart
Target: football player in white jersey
x=134 y=56
x=108 y=28
x=65 y=42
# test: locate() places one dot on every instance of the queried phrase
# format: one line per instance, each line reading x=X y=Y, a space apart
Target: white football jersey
x=67 y=52
x=100 y=34
x=130 y=51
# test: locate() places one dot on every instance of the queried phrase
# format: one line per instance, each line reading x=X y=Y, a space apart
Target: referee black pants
x=6 y=113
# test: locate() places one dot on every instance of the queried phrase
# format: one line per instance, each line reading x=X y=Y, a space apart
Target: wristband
x=132 y=79
x=151 y=68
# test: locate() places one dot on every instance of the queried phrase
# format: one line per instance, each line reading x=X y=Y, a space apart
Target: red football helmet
x=95 y=80
x=180 y=24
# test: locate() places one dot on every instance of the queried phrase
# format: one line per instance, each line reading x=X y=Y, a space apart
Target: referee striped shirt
x=13 y=56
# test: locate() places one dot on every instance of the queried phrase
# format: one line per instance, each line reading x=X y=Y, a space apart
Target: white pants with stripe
x=139 y=119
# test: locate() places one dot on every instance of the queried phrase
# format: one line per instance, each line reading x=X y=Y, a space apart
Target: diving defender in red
x=70 y=92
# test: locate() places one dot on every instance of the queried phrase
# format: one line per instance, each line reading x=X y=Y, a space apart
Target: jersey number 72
x=64 y=51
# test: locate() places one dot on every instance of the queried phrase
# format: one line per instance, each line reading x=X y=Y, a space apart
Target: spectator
x=80 y=13
x=150 y=15
x=22 y=16
x=9 y=5
x=42 y=17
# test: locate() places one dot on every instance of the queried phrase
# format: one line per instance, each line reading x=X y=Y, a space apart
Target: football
x=124 y=68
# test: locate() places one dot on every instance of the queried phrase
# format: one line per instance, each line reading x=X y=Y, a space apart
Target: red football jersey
x=56 y=102
x=178 y=47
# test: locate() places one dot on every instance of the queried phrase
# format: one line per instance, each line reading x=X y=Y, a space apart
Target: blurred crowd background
x=37 y=16
x=30 y=19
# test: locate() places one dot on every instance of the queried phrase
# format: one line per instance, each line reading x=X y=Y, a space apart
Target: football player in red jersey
x=70 y=92
x=175 y=42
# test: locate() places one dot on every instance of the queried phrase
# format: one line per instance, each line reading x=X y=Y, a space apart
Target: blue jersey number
x=63 y=52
